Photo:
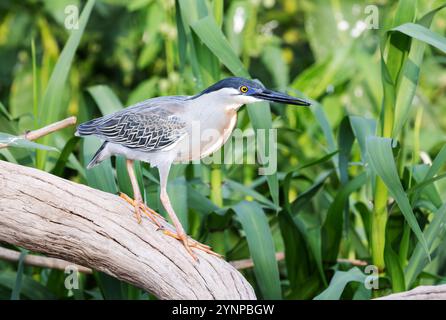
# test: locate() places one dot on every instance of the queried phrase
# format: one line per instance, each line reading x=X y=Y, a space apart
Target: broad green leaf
x=101 y=176
x=321 y=118
x=238 y=187
x=363 y=128
x=419 y=260
x=409 y=76
x=111 y=288
x=399 y=44
x=30 y=288
x=50 y=107
x=296 y=255
x=64 y=155
x=177 y=189
x=19 y=142
x=338 y=283
x=261 y=247
x=332 y=228
x=211 y=35
x=345 y=143
x=105 y=99
x=424 y=34
x=15 y=295
x=380 y=156
x=394 y=269
x=428 y=178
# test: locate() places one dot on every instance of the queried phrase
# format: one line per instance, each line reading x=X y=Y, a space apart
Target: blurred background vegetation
x=359 y=178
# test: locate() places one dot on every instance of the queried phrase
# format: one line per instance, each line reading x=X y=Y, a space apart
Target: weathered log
x=95 y=229
x=420 y=293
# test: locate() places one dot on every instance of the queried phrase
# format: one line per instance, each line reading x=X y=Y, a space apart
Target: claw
x=138 y=205
x=190 y=243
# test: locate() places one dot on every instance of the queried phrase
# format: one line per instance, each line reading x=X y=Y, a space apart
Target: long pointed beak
x=270 y=95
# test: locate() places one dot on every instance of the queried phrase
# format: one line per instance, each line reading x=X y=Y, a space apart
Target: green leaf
x=212 y=36
x=379 y=153
x=63 y=158
x=321 y=118
x=111 y=288
x=101 y=176
x=105 y=99
x=238 y=187
x=409 y=76
x=19 y=142
x=424 y=34
x=296 y=255
x=15 y=295
x=399 y=44
x=363 y=128
x=261 y=247
x=419 y=260
x=338 y=283
x=50 y=107
x=332 y=228
x=394 y=269
x=177 y=189
x=30 y=288
x=428 y=178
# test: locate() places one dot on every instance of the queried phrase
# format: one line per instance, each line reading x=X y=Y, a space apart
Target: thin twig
x=40 y=261
x=353 y=262
x=36 y=134
x=59 y=264
x=248 y=263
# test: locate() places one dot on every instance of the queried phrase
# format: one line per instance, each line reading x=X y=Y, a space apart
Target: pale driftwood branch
x=420 y=293
x=73 y=222
x=36 y=134
x=40 y=261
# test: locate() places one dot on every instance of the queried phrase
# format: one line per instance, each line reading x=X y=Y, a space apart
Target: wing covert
x=143 y=129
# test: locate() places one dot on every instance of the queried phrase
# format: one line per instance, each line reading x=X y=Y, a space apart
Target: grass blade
x=409 y=76
x=419 y=260
x=338 y=283
x=19 y=142
x=15 y=295
x=379 y=153
x=261 y=247
x=50 y=108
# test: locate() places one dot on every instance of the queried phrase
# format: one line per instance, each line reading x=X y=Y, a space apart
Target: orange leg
x=137 y=203
x=180 y=234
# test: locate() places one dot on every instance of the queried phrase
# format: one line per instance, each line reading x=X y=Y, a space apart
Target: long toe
x=138 y=212
x=190 y=244
x=154 y=216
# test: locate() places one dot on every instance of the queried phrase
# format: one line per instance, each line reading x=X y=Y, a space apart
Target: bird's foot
x=140 y=206
x=190 y=243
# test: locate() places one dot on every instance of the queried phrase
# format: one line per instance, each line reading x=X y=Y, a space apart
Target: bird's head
x=238 y=91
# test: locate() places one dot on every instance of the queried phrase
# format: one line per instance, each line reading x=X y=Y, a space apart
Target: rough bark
x=74 y=222
x=420 y=293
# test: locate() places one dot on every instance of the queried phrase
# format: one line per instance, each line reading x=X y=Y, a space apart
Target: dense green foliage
x=359 y=173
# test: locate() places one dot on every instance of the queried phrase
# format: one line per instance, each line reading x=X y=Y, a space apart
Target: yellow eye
x=244 y=89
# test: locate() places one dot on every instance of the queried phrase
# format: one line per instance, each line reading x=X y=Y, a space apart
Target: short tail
x=99 y=156
x=86 y=128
